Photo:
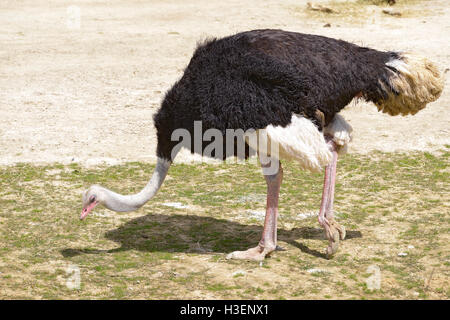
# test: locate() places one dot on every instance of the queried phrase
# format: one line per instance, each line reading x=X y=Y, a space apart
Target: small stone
x=318 y=7
x=327 y=25
x=176 y=205
x=315 y=270
x=392 y=12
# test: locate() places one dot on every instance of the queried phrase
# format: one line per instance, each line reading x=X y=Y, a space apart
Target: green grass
x=387 y=201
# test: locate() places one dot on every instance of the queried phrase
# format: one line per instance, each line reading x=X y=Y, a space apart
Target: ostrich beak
x=87 y=209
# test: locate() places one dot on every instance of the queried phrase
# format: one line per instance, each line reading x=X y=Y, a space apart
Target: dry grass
x=388 y=202
x=367 y=11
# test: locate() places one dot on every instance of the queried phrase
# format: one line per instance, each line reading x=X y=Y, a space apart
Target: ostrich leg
x=268 y=242
x=333 y=230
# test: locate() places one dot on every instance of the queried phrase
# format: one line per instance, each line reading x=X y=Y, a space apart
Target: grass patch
x=389 y=203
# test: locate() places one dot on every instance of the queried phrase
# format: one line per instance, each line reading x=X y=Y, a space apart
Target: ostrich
x=291 y=85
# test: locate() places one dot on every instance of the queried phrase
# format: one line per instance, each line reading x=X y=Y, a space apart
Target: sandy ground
x=88 y=94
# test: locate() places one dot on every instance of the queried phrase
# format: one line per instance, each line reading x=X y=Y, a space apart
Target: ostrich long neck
x=123 y=203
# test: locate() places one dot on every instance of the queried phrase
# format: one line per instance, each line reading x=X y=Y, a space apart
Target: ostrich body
x=293 y=86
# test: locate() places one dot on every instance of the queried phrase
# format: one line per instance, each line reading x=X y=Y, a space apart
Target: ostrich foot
x=334 y=232
x=257 y=253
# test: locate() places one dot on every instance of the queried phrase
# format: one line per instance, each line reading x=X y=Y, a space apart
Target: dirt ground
x=88 y=94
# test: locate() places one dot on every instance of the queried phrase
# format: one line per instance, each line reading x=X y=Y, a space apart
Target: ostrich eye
x=91 y=199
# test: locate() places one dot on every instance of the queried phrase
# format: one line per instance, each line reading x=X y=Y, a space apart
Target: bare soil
x=88 y=94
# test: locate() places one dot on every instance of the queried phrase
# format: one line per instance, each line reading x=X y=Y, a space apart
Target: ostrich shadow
x=197 y=234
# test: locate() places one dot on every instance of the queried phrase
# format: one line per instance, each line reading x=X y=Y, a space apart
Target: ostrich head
x=412 y=81
x=111 y=200
x=91 y=198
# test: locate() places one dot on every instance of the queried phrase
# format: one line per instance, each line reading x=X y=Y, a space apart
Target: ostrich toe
x=334 y=233
x=257 y=253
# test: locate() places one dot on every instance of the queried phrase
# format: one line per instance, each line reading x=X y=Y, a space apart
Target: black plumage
x=253 y=79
